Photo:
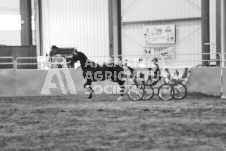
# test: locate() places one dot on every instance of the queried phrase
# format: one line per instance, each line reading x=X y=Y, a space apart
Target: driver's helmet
x=154 y=60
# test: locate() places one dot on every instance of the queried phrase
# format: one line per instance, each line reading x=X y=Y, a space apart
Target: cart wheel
x=180 y=91
x=165 y=92
x=135 y=92
x=148 y=92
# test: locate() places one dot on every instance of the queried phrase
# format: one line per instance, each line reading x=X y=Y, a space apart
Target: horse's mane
x=84 y=59
x=82 y=56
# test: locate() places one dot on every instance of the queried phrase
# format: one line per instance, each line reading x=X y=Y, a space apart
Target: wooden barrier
x=206 y=80
x=223 y=83
x=30 y=82
x=70 y=81
x=43 y=82
x=8 y=83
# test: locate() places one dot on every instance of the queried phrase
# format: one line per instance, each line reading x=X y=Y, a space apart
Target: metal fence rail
x=54 y=63
x=164 y=62
x=43 y=62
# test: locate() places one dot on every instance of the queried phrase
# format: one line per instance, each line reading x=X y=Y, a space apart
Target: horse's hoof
x=177 y=111
x=119 y=99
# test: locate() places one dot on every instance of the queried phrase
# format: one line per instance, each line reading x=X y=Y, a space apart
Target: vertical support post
x=223 y=31
x=45 y=26
x=205 y=32
x=26 y=29
x=115 y=27
x=119 y=18
x=111 y=35
x=38 y=24
x=218 y=30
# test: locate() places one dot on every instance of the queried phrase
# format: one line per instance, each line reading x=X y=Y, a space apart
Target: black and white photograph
x=112 y=75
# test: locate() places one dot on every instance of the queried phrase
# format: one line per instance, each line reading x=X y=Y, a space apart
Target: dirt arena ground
x=197 y=123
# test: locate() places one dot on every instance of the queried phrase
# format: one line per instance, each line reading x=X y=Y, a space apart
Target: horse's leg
x=91 y=92
x=88 y=86
x=122 y=86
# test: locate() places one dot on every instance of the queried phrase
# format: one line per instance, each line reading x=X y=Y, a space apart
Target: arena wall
x=205 y=80
x=39 y=82
x=223 y=83
x=7 y=82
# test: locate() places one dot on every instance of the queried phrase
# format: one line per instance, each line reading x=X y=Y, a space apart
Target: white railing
x=98 y=59
x=43 y=62
x=192 y=61
x=184 y=61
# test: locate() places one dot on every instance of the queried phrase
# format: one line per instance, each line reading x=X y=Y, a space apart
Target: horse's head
x=77 y=56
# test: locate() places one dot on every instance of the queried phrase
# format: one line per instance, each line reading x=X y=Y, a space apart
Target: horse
x=93 y=72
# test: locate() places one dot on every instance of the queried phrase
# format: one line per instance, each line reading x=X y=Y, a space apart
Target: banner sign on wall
x=159 y=34
x=166 y=52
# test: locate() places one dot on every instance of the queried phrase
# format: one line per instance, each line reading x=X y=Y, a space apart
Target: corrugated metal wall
x=77 y=23
x=185 y=14
x=84 y=24
x=140 y=10
x=188 y=34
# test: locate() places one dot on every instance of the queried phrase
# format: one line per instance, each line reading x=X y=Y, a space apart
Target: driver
x=156 y=70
